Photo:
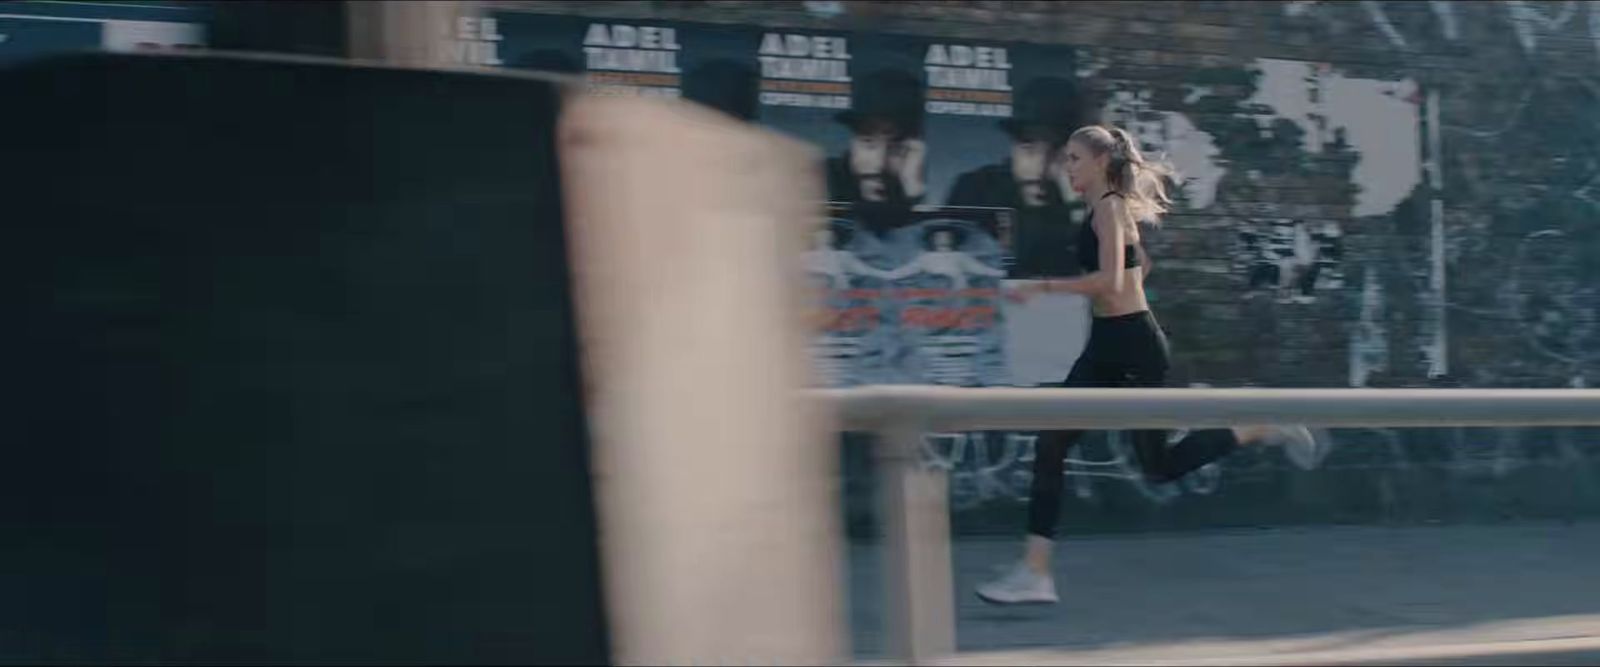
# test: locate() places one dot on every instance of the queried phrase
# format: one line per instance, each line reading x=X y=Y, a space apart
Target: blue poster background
x=904 y=308
x=24 y=38
x=36 y=29
x=892 y=308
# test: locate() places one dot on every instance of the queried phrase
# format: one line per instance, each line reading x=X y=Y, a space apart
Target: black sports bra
x=1089 y=245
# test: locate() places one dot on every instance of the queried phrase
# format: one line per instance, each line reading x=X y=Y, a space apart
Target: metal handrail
x=914 y=504
x=1009 y=408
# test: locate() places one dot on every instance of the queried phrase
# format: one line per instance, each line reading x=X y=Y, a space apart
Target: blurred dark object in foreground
x=275 y=26
x=547 y=60
x=293 y=373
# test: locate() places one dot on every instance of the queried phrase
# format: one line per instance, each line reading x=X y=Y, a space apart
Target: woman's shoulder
x=1111 y=206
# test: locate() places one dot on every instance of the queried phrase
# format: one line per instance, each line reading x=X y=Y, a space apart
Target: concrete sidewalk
x=1227 y=596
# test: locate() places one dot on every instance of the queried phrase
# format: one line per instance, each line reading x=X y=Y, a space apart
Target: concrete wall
x=1436 y=163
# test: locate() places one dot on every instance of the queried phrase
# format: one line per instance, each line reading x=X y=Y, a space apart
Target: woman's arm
x=976 y=267
x=1110 y=229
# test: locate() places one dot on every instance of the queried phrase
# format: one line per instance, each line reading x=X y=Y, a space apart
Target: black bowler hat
x=726 y=85
x=1051 y=103
x=889 y=95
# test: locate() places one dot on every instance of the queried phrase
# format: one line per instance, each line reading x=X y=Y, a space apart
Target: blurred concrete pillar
x=435 y=33
x=716 y=482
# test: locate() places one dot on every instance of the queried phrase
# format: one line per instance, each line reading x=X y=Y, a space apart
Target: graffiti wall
x=1377 y=194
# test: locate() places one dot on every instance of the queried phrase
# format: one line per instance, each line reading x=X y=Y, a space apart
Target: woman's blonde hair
x=1141 y=181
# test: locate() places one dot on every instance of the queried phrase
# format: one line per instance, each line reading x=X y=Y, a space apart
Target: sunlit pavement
x=1498 y=594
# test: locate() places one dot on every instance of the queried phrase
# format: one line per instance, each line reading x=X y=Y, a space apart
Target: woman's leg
x=1049 y=461
x=1044 y=498
x=1147 y=360
x=1162 y=463
x=1031 y=582
x=1049 y=468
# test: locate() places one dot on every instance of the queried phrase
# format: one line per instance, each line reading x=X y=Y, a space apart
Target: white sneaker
x=1298 y=445
x=1020 y=586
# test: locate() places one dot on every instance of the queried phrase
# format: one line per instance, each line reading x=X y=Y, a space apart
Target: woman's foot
x=1021 y=585
x=1298 y=444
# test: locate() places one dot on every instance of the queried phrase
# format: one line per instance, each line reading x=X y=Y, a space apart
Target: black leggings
x=1123 y=351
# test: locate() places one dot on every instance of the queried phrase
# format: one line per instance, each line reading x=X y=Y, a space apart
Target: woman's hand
x=1023 y=292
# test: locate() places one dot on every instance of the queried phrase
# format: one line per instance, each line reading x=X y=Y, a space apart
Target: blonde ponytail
x=1141 y=181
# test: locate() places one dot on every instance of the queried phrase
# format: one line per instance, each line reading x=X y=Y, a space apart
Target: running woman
x=1126 y=346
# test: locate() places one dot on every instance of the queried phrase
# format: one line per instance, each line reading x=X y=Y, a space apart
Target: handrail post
x=920 y=614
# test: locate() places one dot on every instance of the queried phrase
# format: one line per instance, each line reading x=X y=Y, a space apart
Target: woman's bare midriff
x=1126 y=301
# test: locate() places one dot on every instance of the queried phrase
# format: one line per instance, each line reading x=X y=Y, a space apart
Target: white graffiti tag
x=986 y=468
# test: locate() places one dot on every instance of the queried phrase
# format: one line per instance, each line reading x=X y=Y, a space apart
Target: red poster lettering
x=857 y=319
x=977 y=317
